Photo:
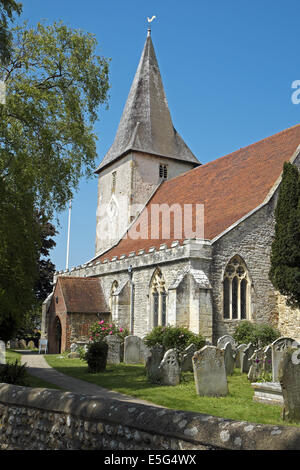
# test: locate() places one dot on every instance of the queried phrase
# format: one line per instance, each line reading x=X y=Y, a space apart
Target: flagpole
x=68 y=241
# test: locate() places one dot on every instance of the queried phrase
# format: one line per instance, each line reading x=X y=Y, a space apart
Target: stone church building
x=177 y=242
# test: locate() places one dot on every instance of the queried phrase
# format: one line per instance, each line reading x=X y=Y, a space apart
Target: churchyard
x=234 y=381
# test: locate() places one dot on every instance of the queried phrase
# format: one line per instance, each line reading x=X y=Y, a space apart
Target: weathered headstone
x=279 y=346
x=169 y=368
x=229 y=358
x=132 y=347
x=187 y=358
x=225 y=339
x=22 y=344
x=73 y=347
x=246 y=363
x=239 y=355
x=31 y=345
x=256 y=367
x=73 y=355
x=267 y=361
x=153 y=363
x=209 y=372
x=14 y=344
x=144 y=352
x=114 y=349
x=2 y=352
x=289 y=378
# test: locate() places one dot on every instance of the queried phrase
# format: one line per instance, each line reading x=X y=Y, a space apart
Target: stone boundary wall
x=44 y=419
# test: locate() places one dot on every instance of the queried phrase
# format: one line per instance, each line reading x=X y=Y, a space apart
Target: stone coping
x=198 y=429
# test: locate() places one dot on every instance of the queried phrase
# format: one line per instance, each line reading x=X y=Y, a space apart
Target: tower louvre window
x=163 y=171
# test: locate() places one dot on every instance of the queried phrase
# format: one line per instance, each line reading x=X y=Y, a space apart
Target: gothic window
x=163 y=171
x=159 y=299
x=236 y=292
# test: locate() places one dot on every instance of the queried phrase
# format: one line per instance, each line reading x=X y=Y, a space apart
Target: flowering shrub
x=102 y=328
x=173 y=337
x=259 y=334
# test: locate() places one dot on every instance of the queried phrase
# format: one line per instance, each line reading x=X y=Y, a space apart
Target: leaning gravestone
x=256 y=368
x=246 y=363
x=153 y=363
x=239 y=355
x=2 y=352
x=289 y=377
x=209 y=372
x=229 y=358
x=169 y=368
x=279 y=346
x=187 y=358
x=223 y=340
x=114 y=349
x=132 y=347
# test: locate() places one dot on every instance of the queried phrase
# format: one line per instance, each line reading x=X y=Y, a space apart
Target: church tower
x=146 y=151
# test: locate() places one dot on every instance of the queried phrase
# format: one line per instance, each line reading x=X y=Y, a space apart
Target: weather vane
x=150 y=21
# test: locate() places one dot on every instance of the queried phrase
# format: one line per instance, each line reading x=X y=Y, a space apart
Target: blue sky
x=227 y=69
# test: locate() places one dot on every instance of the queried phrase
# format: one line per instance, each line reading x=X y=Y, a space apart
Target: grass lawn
x=131 y=380
x=34 y=382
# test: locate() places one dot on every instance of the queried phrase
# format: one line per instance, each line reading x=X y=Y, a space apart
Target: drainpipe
x=131 y=300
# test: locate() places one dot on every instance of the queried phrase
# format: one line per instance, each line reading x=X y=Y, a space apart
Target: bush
x=14 y=373
x=173 y=337
x=259 y=334
x=96 y=356
x=101 y=329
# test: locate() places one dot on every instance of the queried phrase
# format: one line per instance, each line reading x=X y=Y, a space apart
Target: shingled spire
x=146 y=124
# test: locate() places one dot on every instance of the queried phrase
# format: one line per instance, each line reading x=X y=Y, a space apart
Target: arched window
x=158 y=299
x=236 y=292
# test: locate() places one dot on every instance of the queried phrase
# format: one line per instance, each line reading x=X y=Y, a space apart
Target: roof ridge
x=232 y=153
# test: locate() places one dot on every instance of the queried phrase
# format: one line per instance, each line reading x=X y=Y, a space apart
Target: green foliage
x=259 y=334
x=173 y=337
x=14 y=373
x=55 y=84
x=102 y=328
x=96 y=356
x=285 y=252
x=7 y=9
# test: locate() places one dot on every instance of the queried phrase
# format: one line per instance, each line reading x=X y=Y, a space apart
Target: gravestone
x=187 y=358
x=114 y=349
x=153 y=363
x=289 y=378
x=2 y=352
x=132 y=349
x=256 y=368
x=169 y=368
x=246 y=363
x=73 y=355
x=239 y=355
x=73 y=347
x=267 y=361
x=14 y=344
x=229 y=358
x=225 y=339
x=31 y=345
x=209 y=372
x=279 y=346
x=144 y=352
x=22 y=344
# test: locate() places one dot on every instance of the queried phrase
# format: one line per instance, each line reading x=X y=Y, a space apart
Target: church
x=177 y=242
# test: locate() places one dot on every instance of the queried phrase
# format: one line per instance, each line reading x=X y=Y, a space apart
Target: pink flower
x=97 y=334
x=110 y=332
x=103 y=328
x=101 y=322
x=110 y=326
x=121 y=329
x=91 y=338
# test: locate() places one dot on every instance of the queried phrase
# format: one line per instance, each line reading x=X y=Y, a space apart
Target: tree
x=55 y=84
x=7 y=10
x=285 y=251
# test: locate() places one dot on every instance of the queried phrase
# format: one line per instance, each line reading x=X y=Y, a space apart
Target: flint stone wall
x=45 y=419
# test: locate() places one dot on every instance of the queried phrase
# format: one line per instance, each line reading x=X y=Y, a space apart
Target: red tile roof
x=82 y=294
x=229 y=187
